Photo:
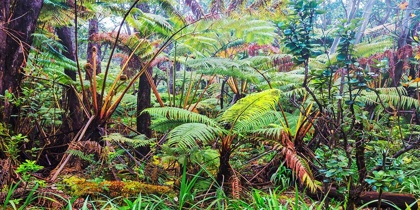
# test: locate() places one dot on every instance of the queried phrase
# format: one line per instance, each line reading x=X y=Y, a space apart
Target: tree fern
x=251 y=107
x=147 y=24
x=165 y=125
x=270 y=133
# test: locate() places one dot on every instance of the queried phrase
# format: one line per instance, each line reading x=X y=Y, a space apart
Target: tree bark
x=15 y=41
x=143 y=102
x=64 y=34
x=144 y=98
x=366 y=16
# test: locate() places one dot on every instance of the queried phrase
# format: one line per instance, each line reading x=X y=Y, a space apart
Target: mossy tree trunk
x=20 y=20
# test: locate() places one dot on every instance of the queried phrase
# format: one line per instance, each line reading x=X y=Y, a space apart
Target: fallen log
x=396 y=199
x=389 y=200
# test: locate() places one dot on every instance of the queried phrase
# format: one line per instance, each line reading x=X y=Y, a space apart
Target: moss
x=83 y=187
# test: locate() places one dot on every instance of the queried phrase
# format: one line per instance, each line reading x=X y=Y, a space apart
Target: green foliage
x=10 y=145
x=179 y=114
x=133 y=142
x=185 y=136
x=356 y=118
x=390 y=97
x=250 y=107
x=299 y=30
x=390 y=175
x=81 y=155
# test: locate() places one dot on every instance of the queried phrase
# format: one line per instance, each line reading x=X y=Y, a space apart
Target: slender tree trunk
x=351 y=13
x=402 y=40
x=4 y=14
x=388 y=12
x=171 y=79
x=93 y=29
x=324 y=16
x=64 y=34
x=366 y=16
x=15 y=41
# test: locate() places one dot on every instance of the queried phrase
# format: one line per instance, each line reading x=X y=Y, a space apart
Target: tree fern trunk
x=72 y=103
x=143 y=102
x=224 y=174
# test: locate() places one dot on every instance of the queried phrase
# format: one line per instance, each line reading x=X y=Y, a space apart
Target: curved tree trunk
x=15 y=43
x=366 y=16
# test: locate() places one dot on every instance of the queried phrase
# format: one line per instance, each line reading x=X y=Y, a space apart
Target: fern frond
x=147 y=23
x=251 y=107
x=295 y=92
x=186 y=135
x=390 y=97
x=165 y=125
x=267 y=118
x=270 y=133
x=368 y=49
x=80 y=155
x=136 y=141
x=174 y=113
x=298 y=165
